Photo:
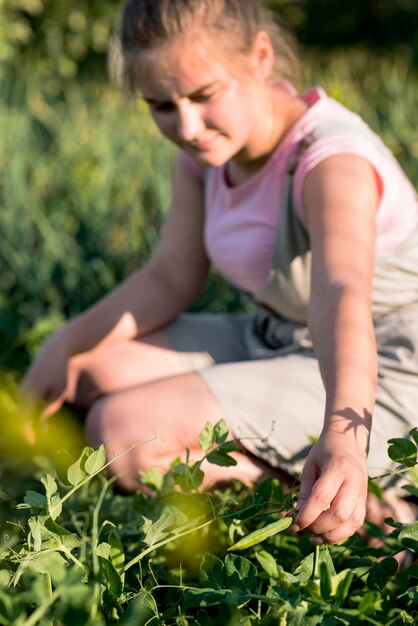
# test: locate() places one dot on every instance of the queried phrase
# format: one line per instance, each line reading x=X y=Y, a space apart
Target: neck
x=278 y=114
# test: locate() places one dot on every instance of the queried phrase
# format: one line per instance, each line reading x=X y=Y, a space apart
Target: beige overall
x=262 y=368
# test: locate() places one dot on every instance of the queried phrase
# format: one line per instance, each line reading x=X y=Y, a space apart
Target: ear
x=262 y=55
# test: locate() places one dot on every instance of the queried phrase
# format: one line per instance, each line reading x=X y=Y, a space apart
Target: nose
x=190 y=122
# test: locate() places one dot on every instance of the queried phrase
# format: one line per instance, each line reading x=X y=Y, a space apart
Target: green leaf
x=304 y=571
x=188 y=478
x=201 y=597
x=220 y=458
x=50 y=485
x=103 y=550
x=207 y=437
x=172 y=518
x=4 y=578
x=325 y=583
x=403 y=451
x=370 y=603
x=262 y=492
x=60 y=537
x=140 y=611
x=96 y=461
x=110 y=603
x=55 y=506
x=51 y=563
x=35 y=499
x=52 y=495
x=220 y=432
x=411 y=489
x=152 y=477
x=75 y=474
x=341 y=584
x=381 y=573
x=412 y=596
x=326 y=558
x=110 y=577
x=409 y=536
x=268 y=563
x=211 y=572
x=240 y=573
x=229 y=446
x=117 y=553
x=35 y=526
x=414 y=434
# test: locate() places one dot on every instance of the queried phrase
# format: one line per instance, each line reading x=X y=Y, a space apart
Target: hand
x=45 y=386
x=332 y=501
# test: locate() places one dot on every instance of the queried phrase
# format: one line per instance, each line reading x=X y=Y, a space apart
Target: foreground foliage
x=78 y=552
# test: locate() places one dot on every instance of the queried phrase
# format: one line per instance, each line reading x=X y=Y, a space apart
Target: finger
x=345 y=530
x=340 y=511
x=52 y=407
x=323 y=492
x=308 y=479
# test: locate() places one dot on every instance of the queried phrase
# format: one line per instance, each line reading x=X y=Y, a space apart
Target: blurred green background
x=84 y=176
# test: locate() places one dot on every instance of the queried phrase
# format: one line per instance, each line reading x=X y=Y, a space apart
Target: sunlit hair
x=148 y=24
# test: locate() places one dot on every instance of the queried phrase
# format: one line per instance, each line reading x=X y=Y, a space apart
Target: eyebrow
x=190 y=95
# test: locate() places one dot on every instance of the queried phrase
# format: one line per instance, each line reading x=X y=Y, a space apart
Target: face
x=205 y=103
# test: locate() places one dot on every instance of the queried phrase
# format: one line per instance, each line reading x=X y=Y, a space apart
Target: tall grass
x=85 y=182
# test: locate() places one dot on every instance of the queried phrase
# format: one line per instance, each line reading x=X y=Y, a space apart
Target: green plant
x=162 y=556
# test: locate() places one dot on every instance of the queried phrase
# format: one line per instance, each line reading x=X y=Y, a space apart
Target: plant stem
x=86 y=480
x=315 y=570
x=159 y=544
x=40 y=611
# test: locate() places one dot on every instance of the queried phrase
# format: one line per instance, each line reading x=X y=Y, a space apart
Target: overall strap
x=288 y=288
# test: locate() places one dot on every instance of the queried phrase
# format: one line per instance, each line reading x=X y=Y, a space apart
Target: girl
x=297 y=202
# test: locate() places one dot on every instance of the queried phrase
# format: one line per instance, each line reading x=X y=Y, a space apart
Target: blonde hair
x=147 y=24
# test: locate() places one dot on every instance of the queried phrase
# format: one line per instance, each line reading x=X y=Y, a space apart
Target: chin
x=211 y=160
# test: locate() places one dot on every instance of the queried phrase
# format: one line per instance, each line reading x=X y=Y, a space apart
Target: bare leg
x=163 y=418
x=121 y=366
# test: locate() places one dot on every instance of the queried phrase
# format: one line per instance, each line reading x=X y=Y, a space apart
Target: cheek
x=238 y=109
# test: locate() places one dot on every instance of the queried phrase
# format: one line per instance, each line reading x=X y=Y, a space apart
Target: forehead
x=183 y=66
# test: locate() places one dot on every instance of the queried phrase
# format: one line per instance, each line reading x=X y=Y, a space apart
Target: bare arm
x=341 y=196
x=149 y=298
x=164 y=287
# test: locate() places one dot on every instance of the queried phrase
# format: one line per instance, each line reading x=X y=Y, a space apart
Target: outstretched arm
x=341 y=197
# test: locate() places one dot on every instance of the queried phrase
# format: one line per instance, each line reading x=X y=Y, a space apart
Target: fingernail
x=317 y=541
x=294 y=528
x=289 y=513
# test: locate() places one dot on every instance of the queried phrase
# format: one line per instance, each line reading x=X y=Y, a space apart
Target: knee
x=109 y=423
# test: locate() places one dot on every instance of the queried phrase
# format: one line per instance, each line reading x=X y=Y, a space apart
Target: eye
x=161 y=107
x=204 y=97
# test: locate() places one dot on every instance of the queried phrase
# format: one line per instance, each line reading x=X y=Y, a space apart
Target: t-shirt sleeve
x=332 y=146
x=392 y=224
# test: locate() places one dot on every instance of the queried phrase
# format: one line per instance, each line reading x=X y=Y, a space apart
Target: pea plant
x=78 y=552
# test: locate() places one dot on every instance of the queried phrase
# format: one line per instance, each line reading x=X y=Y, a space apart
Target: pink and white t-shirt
x=241 y=221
